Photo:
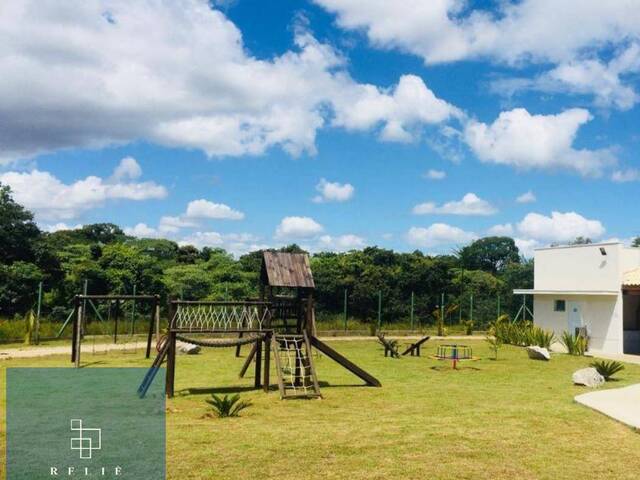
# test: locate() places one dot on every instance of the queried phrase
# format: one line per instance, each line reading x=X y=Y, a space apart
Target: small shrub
x=607 y=369
x=495 y=342
x=541 y=337
x=468 y=327
x=575 y=344
x=227 y=406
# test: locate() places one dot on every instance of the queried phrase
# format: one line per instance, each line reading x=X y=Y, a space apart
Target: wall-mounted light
x=603 y=252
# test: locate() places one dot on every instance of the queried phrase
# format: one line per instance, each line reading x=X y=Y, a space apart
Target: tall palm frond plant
x=439 y=317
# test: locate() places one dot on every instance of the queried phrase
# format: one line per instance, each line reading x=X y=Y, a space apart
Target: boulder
x=538 y=353
x=188 y=348
x=588 y=377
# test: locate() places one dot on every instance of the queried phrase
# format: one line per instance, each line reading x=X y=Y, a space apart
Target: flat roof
x=583 y=245
x=531 y=291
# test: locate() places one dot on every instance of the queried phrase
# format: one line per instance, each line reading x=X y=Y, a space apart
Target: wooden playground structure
x=82 y=304
x=281 y=322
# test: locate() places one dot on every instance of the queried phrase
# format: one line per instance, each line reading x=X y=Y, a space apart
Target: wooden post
x=38 y=309
x=115 y=328
x=379 y=309
x=412 y=306
x=171 y=365
x=267 y=362
x=152 y=322
x=80 y=312
x=133 y=312
x=157 y=319
x=74 y=313
x=257 y=380
x=345 y=310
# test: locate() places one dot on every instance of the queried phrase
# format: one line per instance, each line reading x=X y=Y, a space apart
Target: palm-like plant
x=227 y=406
x=437 y=314
x=495 y=342
x=607 y=369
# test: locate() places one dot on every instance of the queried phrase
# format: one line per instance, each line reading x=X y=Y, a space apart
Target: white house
x=596 y=286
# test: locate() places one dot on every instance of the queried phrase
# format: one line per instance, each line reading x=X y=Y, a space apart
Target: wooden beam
x=346 y=363
x=248 y=361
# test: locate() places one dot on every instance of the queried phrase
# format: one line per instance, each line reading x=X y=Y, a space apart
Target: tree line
x=480 y=276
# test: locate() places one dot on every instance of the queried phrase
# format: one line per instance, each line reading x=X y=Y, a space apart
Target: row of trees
x=111 y=262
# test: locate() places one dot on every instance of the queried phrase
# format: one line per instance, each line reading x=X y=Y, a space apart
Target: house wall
x=580 y=267
x=602 y=315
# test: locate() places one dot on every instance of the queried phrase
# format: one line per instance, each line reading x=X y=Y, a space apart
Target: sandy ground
x=43 y=351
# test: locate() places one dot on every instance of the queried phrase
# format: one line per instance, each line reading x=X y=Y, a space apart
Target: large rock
x=538 y=353
x=588 y=377
x=188 y=348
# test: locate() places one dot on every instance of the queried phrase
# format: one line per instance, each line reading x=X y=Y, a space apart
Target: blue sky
x=246 y=124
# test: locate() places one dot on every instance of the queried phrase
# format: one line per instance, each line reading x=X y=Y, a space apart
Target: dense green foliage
x=521 y=333
x=111 y=262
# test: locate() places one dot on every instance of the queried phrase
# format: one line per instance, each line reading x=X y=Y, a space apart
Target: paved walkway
x=612 y=356
x=622 y=404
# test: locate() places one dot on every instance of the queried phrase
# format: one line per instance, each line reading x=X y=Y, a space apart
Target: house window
x=559 y=306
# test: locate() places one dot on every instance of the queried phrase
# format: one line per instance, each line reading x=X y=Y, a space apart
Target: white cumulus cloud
x=501 y=230
x=526 y=197
x=438 y=234
x=624 y=176
x=341 y=243
x=333 y=191
x=51 y=199
x=470 y=204
x=559 y=227
x=205 y=209
x=179 y=74
x=527 y=141
x=142 y=230
x=435 y=174
x=297 y=228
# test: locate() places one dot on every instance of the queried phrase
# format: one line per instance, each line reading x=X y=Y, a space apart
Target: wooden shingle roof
x=280 y=269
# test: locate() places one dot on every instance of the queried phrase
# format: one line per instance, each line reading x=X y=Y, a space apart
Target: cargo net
x=212 y=317
x=295 y=367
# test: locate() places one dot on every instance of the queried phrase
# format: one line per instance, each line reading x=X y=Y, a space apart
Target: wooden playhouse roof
x=280 y=269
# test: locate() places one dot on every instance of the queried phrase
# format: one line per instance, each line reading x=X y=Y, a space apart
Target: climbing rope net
x=203 y=317
x=297 y=374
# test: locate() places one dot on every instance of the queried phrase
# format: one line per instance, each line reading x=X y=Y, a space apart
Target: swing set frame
x=80 y=303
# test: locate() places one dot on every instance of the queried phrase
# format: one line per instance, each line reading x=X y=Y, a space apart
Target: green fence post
x=133 y=312
x=412 y=305
x=379 y=309
x=442 y=308
x=471 y=308
x=38 y=309
x=344 y=309
x=498 y=306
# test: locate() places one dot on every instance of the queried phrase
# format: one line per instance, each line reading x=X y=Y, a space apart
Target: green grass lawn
x=508 y=419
